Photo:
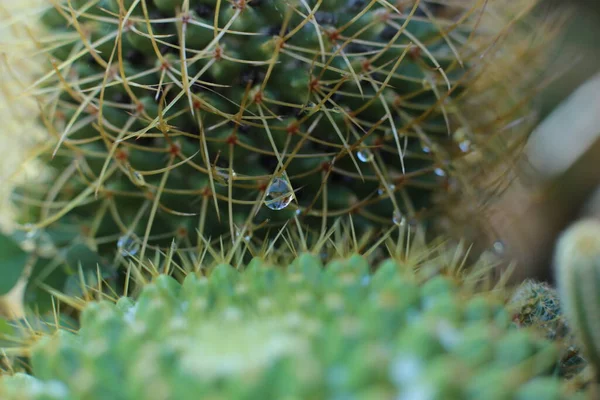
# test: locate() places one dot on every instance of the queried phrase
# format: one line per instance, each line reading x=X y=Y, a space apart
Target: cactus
x=171 y=118
x=537 y=305
x=577 y=263
x=412 y=326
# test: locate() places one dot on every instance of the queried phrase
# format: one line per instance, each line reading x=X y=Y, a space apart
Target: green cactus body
x=184 y=122
x=301 y=331
x=577 y=264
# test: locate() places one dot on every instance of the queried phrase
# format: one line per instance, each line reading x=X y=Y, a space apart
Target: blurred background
x=559 y=177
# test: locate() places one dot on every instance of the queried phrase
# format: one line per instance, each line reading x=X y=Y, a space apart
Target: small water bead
x=223 y=175
x=398 y=218
x=439 y=172
x=426 y=149
x=247 y=234
x=364 y=155
x=465 y=146
x=32 y=233
x=279 y=194
x=499 y=247
x=381 y=191
x=138 y=179
x=135 y=176
x=128 y=246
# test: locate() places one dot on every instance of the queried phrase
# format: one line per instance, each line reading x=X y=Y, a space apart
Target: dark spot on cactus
x=321 y=147
x=90 y=60
x=388 y=33
x=159 y=26
x=336 y=177
x=135 y=58
x=252 y=75
x=164 y=50
x=269 y=162
x=286 y=111
x=204 y=11
x=121 y=98
x=336 y=97
x=197 y=88
x=243 y=128
x=390 y=158
x=326 y=18
x=274 y=30
x=300 y=112
x=354 y=48
x=356 y=4
x=146 y=141
x=431 y=7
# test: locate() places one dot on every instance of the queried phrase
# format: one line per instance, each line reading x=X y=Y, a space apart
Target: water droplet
x=426 y=149
x=32 y=232
x=247 y=235
x=223 y=175
x=298 y=211
x=381 y=191
x=439 y=172
x=398 y=218
x=138 y=179
x=465 y=146
x=279 y=194
x=499 y=247
x=364 y=155
x=127 y=245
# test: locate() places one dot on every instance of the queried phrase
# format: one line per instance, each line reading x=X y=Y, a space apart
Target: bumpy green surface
x=299 y=332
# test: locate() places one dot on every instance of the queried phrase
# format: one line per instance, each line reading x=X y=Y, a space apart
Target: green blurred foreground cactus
x=578 y=275
x=183 y=120
x=404 y=330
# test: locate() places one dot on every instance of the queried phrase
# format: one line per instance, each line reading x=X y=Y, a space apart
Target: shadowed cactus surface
x=414 y=326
